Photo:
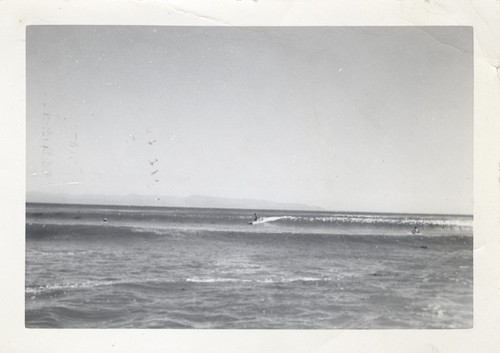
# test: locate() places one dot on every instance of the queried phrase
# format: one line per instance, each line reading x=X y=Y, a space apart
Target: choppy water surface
x=100 y=267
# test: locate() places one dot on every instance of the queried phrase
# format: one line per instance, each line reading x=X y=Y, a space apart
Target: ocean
x=91 y=266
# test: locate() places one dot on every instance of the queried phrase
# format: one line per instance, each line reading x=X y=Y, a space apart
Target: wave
x=215 y=280
x=374 y=220
x=269 y=219
x=295 y=279
x=54 y=288
x=228 y=225
x=264 y=280
x=211 y=218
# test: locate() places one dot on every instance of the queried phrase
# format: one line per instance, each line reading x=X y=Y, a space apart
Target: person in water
x=415 y=231
x=255 y=216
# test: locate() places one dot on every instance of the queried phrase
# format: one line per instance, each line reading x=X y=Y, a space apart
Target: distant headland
x=167 y=201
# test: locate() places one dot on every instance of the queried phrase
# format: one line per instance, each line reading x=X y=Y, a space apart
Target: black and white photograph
x=194 y=177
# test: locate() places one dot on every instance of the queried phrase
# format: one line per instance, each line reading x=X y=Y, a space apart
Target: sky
x=375 y=119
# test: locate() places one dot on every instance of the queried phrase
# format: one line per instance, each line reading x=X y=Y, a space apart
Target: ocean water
x=140 y=267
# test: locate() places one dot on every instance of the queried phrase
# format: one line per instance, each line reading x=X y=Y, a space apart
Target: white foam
x=265 y=280
x=214 y=280
x=270 y=219
x=67 y=286
x=294 y=279
x=374 y=219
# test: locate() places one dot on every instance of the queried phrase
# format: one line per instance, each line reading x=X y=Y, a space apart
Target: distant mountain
x=220 y=202
x=167 y=201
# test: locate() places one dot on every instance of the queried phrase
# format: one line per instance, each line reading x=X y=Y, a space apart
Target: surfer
x=255 y=218
x=415 y=231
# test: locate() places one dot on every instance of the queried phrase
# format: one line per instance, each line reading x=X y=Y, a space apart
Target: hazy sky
x=345 y=118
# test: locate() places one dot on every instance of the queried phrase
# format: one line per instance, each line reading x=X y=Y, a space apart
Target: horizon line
x=249 y=209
